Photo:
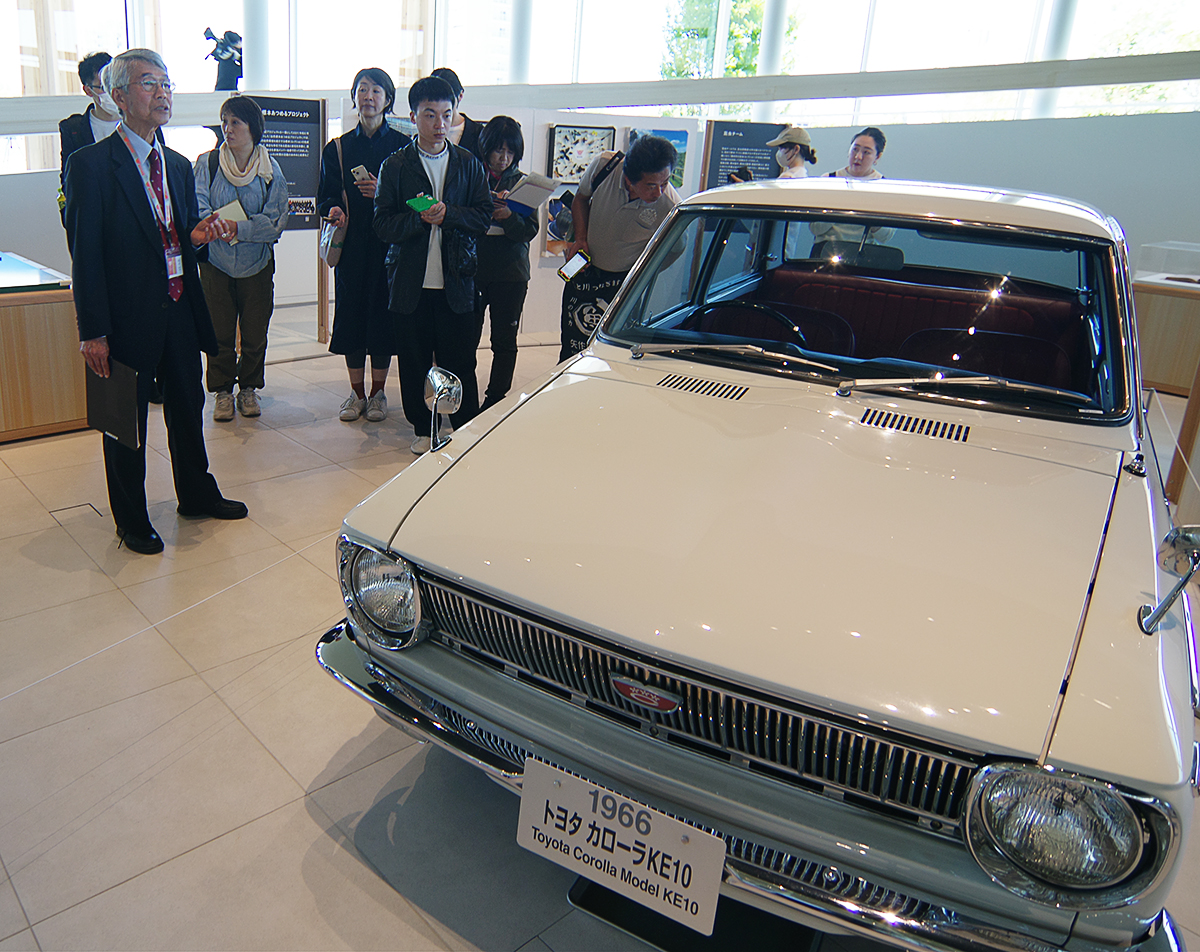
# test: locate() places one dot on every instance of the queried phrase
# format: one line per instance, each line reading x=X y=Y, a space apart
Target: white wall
x=1135 y=168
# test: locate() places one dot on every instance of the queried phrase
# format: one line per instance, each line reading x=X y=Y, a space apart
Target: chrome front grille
x=784 y=867
x=812 y=750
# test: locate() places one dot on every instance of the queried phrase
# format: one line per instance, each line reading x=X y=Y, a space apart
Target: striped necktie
x=170 y=241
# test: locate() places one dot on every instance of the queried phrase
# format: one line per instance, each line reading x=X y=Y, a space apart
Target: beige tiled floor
x=175 y=770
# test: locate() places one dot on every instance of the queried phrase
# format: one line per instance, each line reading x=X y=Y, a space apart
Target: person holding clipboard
x=133 y=229
x=247 y=188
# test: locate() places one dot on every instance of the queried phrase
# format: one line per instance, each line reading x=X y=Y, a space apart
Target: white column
x=1058 y=40
x=721 y=39
x=256 y=45
x=521 y=26
x=770 y=52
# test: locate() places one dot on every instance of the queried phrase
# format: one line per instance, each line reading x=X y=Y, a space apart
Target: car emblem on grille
x=644 y=696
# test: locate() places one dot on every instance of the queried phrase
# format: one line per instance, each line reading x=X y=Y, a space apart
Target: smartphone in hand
x=574 y=265
x=421 y=202
x=360 y=173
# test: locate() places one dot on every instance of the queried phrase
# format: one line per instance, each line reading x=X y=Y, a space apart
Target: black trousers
x=434 y=331
x=506 y=299
x=178 y=373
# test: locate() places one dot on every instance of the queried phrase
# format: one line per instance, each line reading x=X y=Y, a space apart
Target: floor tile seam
x=309 y=791
x=292 y=553
x=20 y=904
x=167 y=860
x=540 y=935
x=74 y=464
x=345 y=841
x=129 y=746
x=314 y=631
x=150 y=626
x=270 y=652
x=98 y=807
x=265 y=693
x=101 y=707
x=262 y=744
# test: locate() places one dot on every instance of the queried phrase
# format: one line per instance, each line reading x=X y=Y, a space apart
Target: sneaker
x=247 y=403
x=420 y=445
x=377 y=408
x=223 y=411
x=352 y=408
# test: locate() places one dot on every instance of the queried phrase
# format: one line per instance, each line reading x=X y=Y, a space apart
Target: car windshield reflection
x=1028 y=320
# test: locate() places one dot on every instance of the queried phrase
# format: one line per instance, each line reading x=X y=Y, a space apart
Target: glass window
x=41 y=45
x=478 y=41
x=332 y=47
x=1022 y=321
x=928 y=34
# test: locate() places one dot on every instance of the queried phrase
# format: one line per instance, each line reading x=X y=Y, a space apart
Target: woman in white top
x=794 y=149
x=866 y=149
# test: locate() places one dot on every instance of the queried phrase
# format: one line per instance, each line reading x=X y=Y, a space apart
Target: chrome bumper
x=937 y=930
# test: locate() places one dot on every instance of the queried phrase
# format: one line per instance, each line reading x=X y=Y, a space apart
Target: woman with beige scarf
x=242 y=182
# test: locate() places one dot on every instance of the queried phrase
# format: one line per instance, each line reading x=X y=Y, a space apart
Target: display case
x=41 y=372
x=1166 y=292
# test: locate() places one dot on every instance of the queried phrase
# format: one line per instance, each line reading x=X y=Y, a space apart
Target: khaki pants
x=235 y=304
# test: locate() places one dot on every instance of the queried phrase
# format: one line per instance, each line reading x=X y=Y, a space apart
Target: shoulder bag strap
x=604 y=172
x=213 y=160
x=342 y=174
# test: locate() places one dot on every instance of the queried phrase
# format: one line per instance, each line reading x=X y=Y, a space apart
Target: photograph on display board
x=677 y=138
x=558 y=232
x=572 y=149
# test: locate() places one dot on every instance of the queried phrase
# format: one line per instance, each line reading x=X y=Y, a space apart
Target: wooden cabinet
x=42 y=384
x=1168 y=316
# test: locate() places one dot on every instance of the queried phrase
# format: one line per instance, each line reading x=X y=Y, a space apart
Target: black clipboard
x=112 y=406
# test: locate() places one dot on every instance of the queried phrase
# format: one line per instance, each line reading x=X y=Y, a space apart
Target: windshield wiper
x=846 y=387
x=748 y=350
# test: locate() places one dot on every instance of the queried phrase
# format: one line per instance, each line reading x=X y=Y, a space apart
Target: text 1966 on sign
x=635 y=850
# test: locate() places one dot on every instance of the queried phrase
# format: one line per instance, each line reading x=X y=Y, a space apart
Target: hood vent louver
x=708 y=388
x=934 y=429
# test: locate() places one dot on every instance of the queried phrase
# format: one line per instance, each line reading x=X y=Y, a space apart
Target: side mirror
x=443 y=394
x=1179 y=554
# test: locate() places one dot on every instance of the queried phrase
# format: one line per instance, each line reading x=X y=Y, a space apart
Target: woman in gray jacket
x=238 y=278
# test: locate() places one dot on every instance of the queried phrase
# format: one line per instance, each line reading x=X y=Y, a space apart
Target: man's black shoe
x=221 y=509
x=150 y=544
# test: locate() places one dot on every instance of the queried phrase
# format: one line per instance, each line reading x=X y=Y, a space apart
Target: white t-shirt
x=435 y=168
x=100 y=128
x=796 y=171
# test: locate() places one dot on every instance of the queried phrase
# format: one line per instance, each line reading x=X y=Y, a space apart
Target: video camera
x=228 y=46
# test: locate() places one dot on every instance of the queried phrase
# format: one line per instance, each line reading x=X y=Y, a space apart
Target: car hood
x=778 y=541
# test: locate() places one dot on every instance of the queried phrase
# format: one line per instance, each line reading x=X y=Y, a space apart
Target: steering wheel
x=752 y=306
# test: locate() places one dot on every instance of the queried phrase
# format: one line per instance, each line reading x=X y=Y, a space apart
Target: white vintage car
x=835 y=576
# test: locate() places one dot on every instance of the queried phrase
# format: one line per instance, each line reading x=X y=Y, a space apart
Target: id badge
x=174 y=263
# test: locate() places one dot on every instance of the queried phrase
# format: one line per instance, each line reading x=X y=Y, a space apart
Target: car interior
x=1033 y=309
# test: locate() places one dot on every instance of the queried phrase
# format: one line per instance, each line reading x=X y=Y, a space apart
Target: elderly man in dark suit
x=134 y=229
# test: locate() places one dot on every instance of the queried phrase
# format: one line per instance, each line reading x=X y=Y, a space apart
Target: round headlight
x=1063 y=830
x=385 y=590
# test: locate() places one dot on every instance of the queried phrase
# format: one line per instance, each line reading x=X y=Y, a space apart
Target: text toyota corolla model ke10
x=836 y=576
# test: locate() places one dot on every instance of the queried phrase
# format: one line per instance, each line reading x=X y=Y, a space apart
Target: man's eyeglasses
x=150 y=85
x=93 y=88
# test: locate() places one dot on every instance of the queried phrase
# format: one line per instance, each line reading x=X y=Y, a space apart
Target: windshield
x=1019 y=321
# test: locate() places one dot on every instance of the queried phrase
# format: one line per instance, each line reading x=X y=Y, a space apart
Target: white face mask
x=105 y=102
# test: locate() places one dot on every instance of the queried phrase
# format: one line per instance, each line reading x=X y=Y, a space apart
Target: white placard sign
x=632 y=849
